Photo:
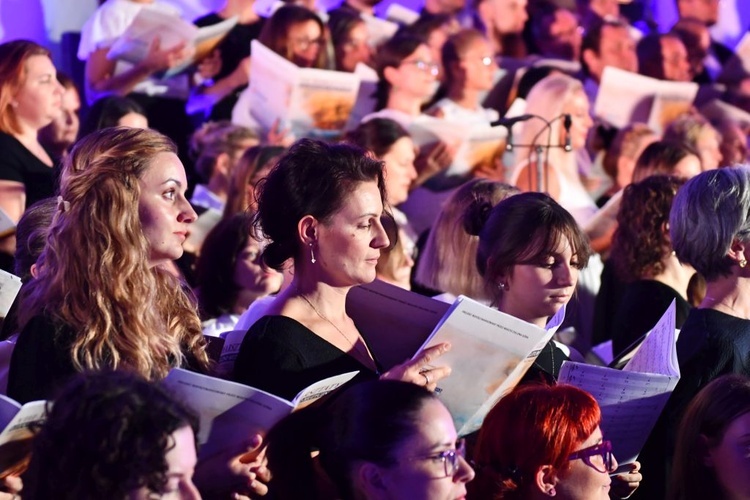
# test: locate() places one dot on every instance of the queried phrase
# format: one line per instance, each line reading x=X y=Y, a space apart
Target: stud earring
x=502 y=286
x=742 y=263
x=312 y=254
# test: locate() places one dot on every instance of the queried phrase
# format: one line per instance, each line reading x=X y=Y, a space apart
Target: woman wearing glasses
x=297 y=34
x=544 y=441
x=376 y=440
x=469 y=66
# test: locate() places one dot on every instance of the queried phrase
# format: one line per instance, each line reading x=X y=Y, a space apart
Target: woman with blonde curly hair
x=643 y=258
x=102 y=299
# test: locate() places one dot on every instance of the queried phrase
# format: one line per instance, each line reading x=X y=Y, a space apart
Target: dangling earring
x=312 y=254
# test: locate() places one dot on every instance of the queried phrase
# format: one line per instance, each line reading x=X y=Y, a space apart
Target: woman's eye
x=170 y=195
x=365 y=226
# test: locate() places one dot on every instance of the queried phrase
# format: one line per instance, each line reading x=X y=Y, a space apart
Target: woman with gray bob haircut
x=710 y=230
x=710 y=222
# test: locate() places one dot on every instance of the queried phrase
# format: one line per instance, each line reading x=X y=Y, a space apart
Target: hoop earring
x=312 y=254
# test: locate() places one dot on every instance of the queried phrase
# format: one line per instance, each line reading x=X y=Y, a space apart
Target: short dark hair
x=377 y=135
x=661 y=157
x=31 y=235
x=106 y=435
x=312 y=178
x=107 y=111
x=214 y=271
x=592 y=39
x=364 y=422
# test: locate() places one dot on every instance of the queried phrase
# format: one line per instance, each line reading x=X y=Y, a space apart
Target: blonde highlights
x=94 y=272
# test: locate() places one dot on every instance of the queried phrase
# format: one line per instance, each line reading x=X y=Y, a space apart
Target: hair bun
x=476 y=215
x=275 y=255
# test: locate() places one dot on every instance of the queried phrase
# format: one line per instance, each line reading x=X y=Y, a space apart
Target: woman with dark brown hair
x=643 y=258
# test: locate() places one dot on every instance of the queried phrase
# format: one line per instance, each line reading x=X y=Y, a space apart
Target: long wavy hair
x=94 y=273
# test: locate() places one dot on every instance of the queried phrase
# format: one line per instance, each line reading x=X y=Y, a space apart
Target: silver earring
x=502 y=286
x=312 y=254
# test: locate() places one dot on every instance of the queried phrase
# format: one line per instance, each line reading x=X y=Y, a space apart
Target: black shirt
x=20 y=165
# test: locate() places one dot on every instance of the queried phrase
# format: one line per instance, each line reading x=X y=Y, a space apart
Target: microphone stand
x=540 y=150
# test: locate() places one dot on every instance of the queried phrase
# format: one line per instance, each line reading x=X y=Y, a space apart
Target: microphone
x=509 y=122
x=567 y=122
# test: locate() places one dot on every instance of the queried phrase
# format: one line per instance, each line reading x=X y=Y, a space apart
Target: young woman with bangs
x=530 y=253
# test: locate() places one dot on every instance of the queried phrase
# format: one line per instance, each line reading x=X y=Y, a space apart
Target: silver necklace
x=354 y=344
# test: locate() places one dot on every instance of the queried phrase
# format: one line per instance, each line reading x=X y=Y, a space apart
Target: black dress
x=641 y=306
x=41 y=361
x=20 y=165
x=711 y=344
x=282 y=356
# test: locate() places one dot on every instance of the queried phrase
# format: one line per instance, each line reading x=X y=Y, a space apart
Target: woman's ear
x=368 y=478
x=307 y=230
x=737 y=252
x=546 y=479
x=704 y=451
x=391 y=74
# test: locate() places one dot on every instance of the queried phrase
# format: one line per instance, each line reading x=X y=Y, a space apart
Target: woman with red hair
x=544 y=441
x=30 y=98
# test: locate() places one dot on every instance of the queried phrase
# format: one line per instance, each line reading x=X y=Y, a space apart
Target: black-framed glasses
x=450 y=458
x=427 y=67
x=602 y=450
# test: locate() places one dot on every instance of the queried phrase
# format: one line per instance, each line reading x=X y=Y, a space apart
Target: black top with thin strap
x=282 y=356
x=21 y=165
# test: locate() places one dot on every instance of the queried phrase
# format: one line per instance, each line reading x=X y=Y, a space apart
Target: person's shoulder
x=208 y=20
x=7 y=141
x=277 y=329
x=45 y=328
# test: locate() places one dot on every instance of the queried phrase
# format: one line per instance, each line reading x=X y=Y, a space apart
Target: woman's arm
x=12 y=202
x=100 y=77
